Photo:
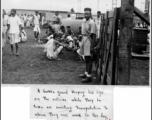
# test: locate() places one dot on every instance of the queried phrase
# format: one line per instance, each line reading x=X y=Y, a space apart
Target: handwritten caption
x=71 y=102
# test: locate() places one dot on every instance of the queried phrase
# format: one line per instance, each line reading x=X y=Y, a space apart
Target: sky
x=64 y=5
x=61 y=5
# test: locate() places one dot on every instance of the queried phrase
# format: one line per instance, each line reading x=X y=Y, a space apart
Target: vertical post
x=114 y=44
x=126 y=25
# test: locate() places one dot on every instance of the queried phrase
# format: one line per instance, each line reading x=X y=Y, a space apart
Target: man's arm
x=93 y=37
x=59 y=43
x=20 y=28
x=8 y=28
x=32 y=19
x=93 y=34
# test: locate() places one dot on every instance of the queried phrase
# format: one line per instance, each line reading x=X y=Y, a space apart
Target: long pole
x=124 y=56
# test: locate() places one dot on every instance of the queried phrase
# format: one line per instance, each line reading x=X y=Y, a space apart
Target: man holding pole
x=87 y=46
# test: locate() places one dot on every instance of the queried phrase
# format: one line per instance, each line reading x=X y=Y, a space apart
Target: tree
x=72 y=10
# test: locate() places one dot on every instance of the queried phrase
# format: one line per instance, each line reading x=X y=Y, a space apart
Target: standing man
x=4 y=28
x=25 y=20
x=87 y=43
x=14 y=28
x=57 y=16
x=36 y=21
x=43 y=18
x=98 y=23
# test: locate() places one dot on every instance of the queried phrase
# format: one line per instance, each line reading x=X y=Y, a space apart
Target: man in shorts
x=36 y=21
x=87 y=43
x=14 y=28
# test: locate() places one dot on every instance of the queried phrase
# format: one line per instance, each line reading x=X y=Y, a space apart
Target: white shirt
x=98 y=22
x=50 y=49
x=43 y=18
x=50 y=37
x=36 y=19
x=59 y=16
x=14 y=23
x=23 y=35
x=24 y=18
x=88 y=27
x=70 y=39
x=56 y=27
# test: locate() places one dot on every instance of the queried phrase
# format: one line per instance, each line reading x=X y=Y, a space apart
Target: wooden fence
x=108 y=40
x=113 y=65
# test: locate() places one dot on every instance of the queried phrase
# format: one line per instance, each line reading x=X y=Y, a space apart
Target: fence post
x=114 y=44
x=126 y=25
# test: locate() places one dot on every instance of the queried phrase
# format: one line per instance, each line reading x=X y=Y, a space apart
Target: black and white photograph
x=76 y=42
x=76 y=59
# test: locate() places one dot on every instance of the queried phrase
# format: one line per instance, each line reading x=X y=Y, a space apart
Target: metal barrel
x=139 y=41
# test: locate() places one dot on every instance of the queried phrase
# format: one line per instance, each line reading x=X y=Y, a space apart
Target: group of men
x=89 y=30
x=90 y=34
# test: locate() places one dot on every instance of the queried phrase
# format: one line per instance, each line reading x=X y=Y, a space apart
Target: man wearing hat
x=87 y=43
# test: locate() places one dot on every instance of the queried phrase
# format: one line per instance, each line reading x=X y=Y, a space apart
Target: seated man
x=77 y=47
x=67 y=29
x=23 y=36
x=69 y=39
x=62 y=30
x=53 y=47
x=49 y=34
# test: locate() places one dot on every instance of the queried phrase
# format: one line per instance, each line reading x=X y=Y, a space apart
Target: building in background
x=49 y=15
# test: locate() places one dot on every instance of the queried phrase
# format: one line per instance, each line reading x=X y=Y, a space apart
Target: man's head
x=51 y=30
x=57 y=36
x=69 y=15
x=98 y=14
x=80 y=37
x=62 y=27
x=68 y=27
x=69 y=32
x=56 y=13
x=87 y=13
x=80 y=28
x=36 y=12
x=13 y=12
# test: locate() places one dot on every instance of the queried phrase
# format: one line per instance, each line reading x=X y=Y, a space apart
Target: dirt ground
x=31 y=67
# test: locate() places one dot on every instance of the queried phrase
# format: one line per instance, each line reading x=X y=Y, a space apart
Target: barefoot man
x=14 y=28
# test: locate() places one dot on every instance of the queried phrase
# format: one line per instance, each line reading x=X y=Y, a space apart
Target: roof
x=41 y=10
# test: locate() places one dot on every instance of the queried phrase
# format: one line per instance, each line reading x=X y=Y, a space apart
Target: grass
x=32 y=67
